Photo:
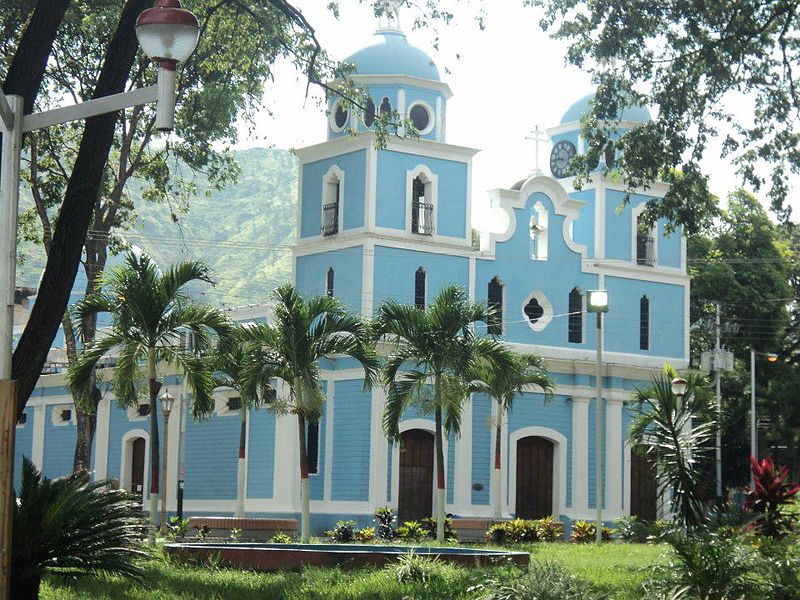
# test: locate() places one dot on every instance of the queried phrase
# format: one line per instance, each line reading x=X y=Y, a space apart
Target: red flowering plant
x=771 y=492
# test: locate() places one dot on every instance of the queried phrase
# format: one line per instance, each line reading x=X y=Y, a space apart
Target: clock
x=562 y=153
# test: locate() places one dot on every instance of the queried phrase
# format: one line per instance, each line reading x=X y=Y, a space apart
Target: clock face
x=562 y=153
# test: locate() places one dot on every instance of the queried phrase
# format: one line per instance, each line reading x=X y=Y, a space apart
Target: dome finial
x=389 y=14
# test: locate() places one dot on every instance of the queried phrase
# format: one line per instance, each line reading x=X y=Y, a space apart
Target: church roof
x=638 y=114
x=391 y=54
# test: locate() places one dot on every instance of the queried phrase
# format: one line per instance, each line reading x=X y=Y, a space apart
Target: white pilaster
x=439 y=120
x=614 y=457
x=174 y=436
x=286 y=479
x=329 y=408
x=580 y=455
x=378 y=450
x=401 y=111
x=37 y=449
x=462 y=475
x=101 y=439
x=367 y=277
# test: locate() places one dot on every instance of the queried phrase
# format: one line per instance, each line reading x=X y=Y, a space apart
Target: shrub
x=202 y=532
x=72 y=526
x=413 y=568
x=236 y=534
x=543 y=581
x=281 y=538
x=548 y=529
x=411 y=531
x=429 y=525
x=772 y=492
x=385 y=518
x=177 y=528
x=513 y=532
x=584 y=532
x=631 y=529
x=343 y=532
x=365 y=535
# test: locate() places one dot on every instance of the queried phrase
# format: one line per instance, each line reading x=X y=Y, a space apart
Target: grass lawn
x=613 y=568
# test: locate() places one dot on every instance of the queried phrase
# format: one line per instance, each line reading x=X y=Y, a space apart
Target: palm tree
x=231 y=363
x=150 y=310
x=304 y=332
x=436 y=345
x=503 y=385
x=676 y=432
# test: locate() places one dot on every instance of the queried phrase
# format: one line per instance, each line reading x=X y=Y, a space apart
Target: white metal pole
x=599 y=431
x=753 y=433
x=9 y=180
x=718 y=370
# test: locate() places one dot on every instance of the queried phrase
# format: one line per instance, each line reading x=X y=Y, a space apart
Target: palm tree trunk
x=497 y=474
x=241 y=465
x=154 y=387
x=305 y=517
x=440 y=477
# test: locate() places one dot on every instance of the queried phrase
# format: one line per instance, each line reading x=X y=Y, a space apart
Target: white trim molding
x=547 y=308
x=431 y=182
x=126 y=461
x=559 y=466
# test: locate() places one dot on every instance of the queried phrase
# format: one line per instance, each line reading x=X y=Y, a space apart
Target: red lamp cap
x=167 y=12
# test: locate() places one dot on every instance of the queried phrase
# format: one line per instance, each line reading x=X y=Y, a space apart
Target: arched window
x=644 y=323
x=645 y=244
x=538 y=232
x=331 y=202
x=329 y=283
x=575 y=322
x=312 y=447
x=386 y=106
x=369 y=113
x=495 y=303
x=419 y=288
x=421 y=206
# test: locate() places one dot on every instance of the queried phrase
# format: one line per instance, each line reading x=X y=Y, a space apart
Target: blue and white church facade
x=397 y=223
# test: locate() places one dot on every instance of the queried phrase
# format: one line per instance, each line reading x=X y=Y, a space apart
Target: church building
x=397 y=223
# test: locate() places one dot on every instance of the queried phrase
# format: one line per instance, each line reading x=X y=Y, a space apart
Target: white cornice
x=576 y=126
x=407 y=80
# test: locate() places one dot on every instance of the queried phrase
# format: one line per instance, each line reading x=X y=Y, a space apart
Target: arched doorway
x=137 y=467
x=534 y=497
x=415 y=492
x=644 y=486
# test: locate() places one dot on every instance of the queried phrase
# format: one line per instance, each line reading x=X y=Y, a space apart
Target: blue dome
x=638 y=114
x=391 y=54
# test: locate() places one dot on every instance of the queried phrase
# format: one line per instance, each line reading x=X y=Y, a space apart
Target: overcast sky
x=506 y=80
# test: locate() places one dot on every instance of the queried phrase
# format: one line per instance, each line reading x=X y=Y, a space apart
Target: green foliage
x=520 y=530
x=411 y=531
x=414 y=568
x=585 y=532
x=772 y=493
x=72 y=526
x=365 y=535
x=202 y=532
x=236 y=534
x=343 y=533
x=544 y=580
x=177 y=527
x=632 y=529
x=281 y=538
x=549 y=529
x=385 y=518
x=429 y=525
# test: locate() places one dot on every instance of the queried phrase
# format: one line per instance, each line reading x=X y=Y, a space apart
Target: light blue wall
x=312 y=270
x=521 y=275
x=395 y=271
x=391 y=195
x=666 y=317
x=261 y=455
x=354 y=166
x=583 y=226
x=59 y=446
x=351 y=441
x=530 y=409
x=592 y=452
x=212 y=453
x=482 y=452
x=23 y=445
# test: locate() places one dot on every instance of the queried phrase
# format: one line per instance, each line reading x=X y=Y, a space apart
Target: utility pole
x=718 y=374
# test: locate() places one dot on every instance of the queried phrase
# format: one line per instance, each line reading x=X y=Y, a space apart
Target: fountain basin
x=274 y=557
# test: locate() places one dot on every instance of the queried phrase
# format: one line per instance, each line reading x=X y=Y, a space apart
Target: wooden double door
x=137 y=467
x=415 y=494
x=534 y=478
x=644 y=486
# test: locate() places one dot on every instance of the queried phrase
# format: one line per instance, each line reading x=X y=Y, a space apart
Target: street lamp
x=679 y=386
x=597 y=302
x=166 y=33
x=166 y=407
x=771 y=357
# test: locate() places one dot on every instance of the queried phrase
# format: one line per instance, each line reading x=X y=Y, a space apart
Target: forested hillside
x=244 y=232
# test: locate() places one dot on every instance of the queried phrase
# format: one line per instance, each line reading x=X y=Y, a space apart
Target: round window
x=420 y=117
x=340 y=116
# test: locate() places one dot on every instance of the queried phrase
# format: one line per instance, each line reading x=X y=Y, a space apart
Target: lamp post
x=679 y=386
x=166 y=33
x=771 y=357
x=166 y=407
x=597 y=303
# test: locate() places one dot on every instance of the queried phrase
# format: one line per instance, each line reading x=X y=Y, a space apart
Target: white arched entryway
x=126 y=460
x=559 y=442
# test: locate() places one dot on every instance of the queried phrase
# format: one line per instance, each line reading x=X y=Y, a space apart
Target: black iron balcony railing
x=645 y=250
x=422 y=218
x=330 y=218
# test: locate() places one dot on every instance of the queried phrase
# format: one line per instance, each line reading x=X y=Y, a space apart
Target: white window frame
x=334 y=172
x=431 y=195
x=431 y=115
x=539 y=242
x=546 y=305
x=133 y=411
x=55 y=415
x=332 y=117
x=636 y=212
x=221 y=403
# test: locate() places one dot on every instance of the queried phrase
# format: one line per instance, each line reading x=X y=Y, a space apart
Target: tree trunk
x=25 y=588
x=154 y=387
x=240 y=475
x=305 y=517
x=86 y=427
x=76 y=210
x=497 y=473
x=440 y=476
